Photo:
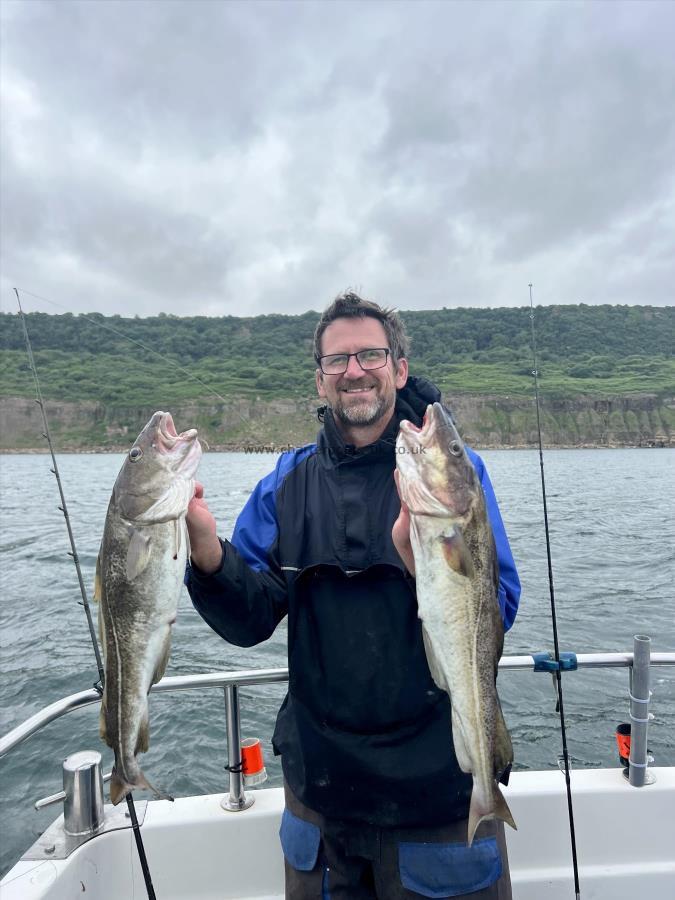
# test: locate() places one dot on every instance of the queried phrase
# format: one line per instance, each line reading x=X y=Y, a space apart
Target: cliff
x=486 y=421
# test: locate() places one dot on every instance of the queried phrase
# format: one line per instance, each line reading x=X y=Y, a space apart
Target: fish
x=457 y=578
x=139 y=577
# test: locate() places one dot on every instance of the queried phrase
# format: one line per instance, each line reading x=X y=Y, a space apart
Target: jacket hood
x=411 y=403
x=414 y=397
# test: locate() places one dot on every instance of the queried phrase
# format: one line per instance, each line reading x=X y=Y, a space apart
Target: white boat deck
x=197 y=851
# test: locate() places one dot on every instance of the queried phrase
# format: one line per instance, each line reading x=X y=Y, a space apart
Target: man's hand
x=400 y=533
x=206 y=552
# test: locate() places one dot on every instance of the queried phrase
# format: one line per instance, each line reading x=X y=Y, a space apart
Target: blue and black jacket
x=364 y=733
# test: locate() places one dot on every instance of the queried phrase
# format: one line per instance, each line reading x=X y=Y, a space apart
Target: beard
x=366 y=413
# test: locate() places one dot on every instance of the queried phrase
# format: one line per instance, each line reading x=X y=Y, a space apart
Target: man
x=376 y=804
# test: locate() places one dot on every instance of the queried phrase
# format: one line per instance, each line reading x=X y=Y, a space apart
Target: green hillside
x=583 y=351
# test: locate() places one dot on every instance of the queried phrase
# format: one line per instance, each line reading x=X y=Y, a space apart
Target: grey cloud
x=261 y=156
x=592 y=141
x=570 y=131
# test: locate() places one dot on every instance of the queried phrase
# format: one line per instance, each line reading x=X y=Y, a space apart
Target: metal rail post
x=236 y=800
x=639 y=713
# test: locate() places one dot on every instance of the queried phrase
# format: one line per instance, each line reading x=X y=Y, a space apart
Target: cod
x=139 y=576
x=457 y=577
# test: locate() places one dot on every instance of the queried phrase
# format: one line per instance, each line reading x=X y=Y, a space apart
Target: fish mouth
x=167 y=434
x=419 y=435
x=411 y=428
x=168 y=425
x=181 y=450
x=436 y=429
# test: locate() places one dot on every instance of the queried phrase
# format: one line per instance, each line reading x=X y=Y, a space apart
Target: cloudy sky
x=249 y=157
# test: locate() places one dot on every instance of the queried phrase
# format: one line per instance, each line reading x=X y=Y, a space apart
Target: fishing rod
x=64 y=508
x=85 y=602
x=554 y=621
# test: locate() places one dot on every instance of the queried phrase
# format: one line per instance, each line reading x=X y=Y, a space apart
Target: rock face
x=486 y=421
x=642 y=420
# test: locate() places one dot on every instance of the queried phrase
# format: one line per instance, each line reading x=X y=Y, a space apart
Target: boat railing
x=638 y=663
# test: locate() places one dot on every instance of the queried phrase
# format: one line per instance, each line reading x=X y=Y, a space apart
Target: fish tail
x=494 y=807
x=119 y=788
x=502 y=810
x=122 y=785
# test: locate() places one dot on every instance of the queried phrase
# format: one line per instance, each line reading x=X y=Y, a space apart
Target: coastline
x=262 y=448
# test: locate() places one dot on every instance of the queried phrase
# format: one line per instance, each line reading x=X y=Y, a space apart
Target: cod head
x=156 y=484
x=436 y=477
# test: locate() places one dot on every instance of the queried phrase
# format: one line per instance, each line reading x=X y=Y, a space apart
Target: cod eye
x=135 y=454
x=455 y=448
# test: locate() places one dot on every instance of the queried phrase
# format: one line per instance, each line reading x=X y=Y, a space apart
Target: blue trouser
x=327 y=860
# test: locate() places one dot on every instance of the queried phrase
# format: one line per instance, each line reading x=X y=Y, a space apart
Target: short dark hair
x=350 y=306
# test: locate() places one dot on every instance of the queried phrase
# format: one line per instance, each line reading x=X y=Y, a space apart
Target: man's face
x=358 y=397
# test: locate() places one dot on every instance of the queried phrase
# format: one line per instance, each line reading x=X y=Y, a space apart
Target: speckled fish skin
x=457 y=579
x=139 y=576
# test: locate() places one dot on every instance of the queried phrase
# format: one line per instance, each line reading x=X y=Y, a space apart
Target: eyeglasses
x=337 y=363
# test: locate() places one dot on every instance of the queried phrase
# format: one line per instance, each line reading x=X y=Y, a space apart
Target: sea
x=612 y=536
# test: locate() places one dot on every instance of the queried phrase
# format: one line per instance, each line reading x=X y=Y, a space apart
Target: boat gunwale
x=249 y=677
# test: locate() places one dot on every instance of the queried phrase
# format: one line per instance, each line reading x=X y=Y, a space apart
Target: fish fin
x=503 y=748
x=102 y=726
x=98 y=585
x=171 y=505
x=138 y=554
x=163 y=660
x=497 y=808
x=143 y=739
x=120 y=787
x=457 y=554
x=461 y=751
x=432 y=661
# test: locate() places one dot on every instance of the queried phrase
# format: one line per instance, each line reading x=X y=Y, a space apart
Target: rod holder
x=237 y=799
x=82 y=794
x=638 y=774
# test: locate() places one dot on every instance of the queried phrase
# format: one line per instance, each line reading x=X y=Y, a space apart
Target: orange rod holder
x=253 y=764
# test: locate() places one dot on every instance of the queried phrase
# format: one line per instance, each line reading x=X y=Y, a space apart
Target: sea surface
x=613 y=544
